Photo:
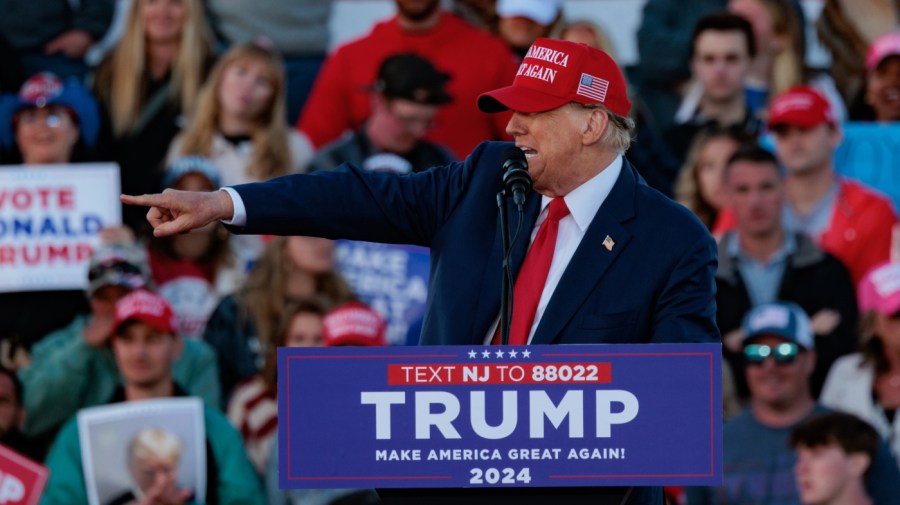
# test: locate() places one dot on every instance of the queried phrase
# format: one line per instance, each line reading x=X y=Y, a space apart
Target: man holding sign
x=610 y=260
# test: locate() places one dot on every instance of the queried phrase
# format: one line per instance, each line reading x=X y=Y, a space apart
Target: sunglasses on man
x=784 y=353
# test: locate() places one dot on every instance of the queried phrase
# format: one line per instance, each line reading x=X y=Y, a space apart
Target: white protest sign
x=125 y=446
x=50 y=222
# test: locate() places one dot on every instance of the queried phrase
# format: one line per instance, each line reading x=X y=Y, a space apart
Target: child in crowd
x=834 y=452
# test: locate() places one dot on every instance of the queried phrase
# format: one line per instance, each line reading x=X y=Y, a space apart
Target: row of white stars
x=512 y=353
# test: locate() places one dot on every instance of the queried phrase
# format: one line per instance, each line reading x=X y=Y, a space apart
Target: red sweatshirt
x=476 y=61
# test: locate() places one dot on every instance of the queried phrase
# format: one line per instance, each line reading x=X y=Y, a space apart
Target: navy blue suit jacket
x=655 y=285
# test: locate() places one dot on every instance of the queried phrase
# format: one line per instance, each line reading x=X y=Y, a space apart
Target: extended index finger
x=154 y=200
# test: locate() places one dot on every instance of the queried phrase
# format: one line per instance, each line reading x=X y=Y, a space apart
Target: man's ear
x=595 y=126
x=858 y=463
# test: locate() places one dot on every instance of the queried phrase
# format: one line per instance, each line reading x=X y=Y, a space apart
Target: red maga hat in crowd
x=801 y=106
x=353 y=324
x=146 y=307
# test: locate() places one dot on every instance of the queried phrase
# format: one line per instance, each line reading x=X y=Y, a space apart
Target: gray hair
x=619 y=132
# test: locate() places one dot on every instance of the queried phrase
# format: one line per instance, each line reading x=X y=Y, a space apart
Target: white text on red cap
x=541 y=72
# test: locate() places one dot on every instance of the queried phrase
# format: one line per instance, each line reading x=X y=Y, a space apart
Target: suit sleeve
x=686 y=308
x=351 y=203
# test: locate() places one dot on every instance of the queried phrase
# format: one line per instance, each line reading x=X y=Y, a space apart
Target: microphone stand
x=505 y=302
x=506 y=289
x=517 y=182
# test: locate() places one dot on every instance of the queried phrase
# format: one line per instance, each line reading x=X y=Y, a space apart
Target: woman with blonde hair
x=150 y=79
x=239 y=122
x=243 y=327
x=239 y=125
x=699 y=182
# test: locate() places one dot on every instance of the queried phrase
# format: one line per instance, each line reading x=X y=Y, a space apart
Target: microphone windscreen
x=512 y=154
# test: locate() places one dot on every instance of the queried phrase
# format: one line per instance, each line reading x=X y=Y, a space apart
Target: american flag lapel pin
x=608 y=243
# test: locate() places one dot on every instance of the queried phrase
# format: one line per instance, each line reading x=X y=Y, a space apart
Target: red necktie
x=533 y=275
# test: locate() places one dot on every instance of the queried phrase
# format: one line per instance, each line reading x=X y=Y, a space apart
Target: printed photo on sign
x=129 y=448
x=50 y=222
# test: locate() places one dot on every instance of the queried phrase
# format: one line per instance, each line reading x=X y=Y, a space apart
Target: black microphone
x=516 y=179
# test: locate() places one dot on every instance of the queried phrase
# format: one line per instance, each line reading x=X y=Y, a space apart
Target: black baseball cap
x=411 y=77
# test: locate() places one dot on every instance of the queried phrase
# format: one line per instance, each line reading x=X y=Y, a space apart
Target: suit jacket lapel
x=592 y=258
x=488 y=306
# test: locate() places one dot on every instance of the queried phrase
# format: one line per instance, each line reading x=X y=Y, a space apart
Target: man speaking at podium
x=601 y=257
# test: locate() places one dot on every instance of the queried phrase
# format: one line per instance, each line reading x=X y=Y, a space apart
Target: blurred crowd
x=187 y=94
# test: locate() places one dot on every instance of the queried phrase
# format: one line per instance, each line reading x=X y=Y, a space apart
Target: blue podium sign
x=534 y=416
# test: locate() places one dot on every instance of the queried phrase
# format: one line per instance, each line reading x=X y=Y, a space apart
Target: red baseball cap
x=801 y=106
x=879 y=290
x=146 y=307
x=556 y=72
x=883 y=47
x=353 y=324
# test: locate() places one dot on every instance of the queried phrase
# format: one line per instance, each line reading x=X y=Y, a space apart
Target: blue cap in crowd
x=780 y=319
x=45 y=89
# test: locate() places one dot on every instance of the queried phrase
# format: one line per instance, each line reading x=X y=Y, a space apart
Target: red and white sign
x=21 y=480
x=50 y=222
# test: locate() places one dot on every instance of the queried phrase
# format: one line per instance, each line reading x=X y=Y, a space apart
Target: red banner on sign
x=21 y=480
x=499 y=373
